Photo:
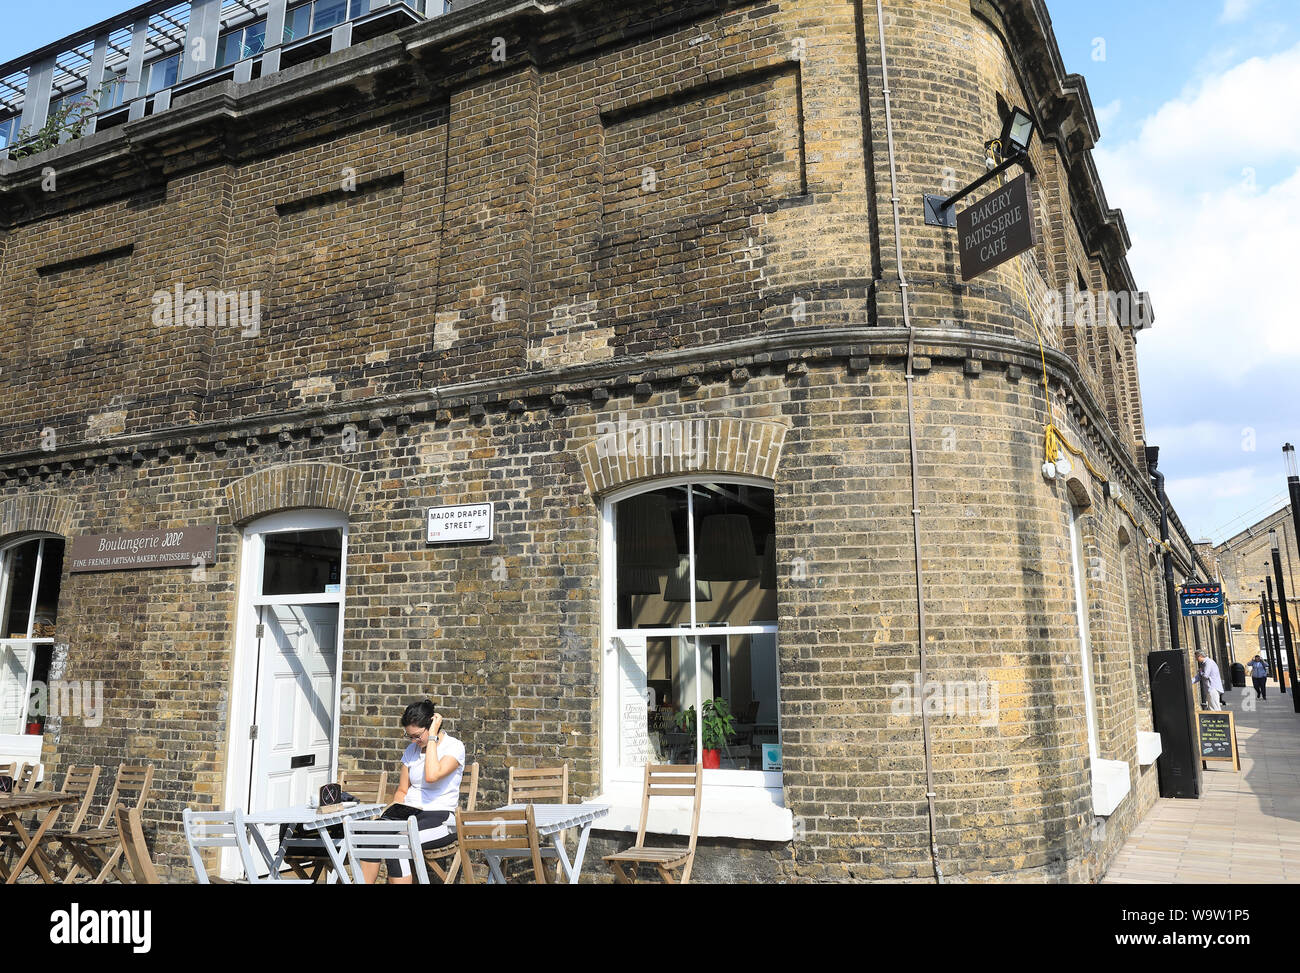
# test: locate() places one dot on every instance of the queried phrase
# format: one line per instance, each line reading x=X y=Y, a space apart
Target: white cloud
x=1107 y=114
x=1208 y=188
x=1235 y=10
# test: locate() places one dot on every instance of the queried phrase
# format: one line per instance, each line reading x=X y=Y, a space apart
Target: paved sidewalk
x=1245 y=827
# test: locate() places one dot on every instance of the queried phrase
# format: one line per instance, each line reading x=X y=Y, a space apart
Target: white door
x=295 y=704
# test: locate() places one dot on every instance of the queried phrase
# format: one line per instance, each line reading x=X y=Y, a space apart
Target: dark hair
x=419 y=714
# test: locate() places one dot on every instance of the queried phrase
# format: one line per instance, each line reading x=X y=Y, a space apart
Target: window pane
x=329 y=13
x=6 y=132
x=14 y=660
x=298 y=23
x=47 y=594
x=302 y=562
x=162 y=74
x=38 y=700
x=254 y=40
x=360 y=8
x=230 y=46
x=21 y=565
x=112 y=93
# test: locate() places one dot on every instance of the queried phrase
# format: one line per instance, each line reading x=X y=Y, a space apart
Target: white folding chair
x=225 y=829
x=384 y=841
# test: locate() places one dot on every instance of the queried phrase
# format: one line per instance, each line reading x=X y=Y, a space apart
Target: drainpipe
x=911 y=442
x=1153 y=457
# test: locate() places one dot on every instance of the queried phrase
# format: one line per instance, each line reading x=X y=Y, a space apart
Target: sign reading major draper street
x=465 y=522
x=995 y=229
x=1201 y=598
x=174 y=547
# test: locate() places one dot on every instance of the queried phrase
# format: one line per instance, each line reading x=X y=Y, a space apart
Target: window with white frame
x=30 y=575
x=1085 y=639
x=9 y=130
x=692 y=601
x=162 y=73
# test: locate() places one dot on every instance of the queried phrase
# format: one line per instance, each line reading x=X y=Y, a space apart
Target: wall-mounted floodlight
x=1011 y=148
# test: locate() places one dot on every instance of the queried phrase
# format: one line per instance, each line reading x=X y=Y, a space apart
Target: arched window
x=31 y=571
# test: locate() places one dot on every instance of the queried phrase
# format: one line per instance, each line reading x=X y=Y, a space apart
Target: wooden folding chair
x=663 y=780
x=77 y=781
x=26 y=779
x=305 y=855
x=499 y=832
x=131 y=833
x=97 y=850
x=434 y=857
x=384 y=841
x=541 y=785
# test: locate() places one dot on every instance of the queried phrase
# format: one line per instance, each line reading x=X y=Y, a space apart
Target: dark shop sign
x=1201 y=599
x=995 y=229
x=175 y=547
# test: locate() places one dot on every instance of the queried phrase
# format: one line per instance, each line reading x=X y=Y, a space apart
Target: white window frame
x=741 y=803
x=22 y=743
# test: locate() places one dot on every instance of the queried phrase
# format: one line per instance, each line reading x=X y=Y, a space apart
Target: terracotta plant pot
x=712 y=759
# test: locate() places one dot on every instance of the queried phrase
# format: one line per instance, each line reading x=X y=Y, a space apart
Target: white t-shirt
x=441 y=795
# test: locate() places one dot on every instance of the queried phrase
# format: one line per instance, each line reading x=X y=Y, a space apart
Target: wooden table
x=308 y=819
x=13 y=805
x=552 y=820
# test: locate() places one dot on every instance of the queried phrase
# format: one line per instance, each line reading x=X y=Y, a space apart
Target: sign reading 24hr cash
x=465 y=522
x=1202 y=599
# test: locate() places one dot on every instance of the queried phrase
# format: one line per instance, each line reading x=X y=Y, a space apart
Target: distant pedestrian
x=1259 y=675
x=1207 y=674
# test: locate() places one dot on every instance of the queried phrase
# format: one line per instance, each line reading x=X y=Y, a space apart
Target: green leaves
x=719 y=725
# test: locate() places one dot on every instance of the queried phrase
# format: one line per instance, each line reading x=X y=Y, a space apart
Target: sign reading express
x=1201 y=599
x=178 y=547
x=995 y=229
x=466 y=522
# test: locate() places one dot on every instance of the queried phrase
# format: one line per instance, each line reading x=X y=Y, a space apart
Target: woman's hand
x=436 y=726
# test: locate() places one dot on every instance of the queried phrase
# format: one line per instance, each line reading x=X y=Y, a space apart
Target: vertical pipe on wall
x=911 y=441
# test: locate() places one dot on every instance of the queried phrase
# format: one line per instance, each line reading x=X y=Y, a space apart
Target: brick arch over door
x=41 y=512
x=649 y=449
x=323 y=486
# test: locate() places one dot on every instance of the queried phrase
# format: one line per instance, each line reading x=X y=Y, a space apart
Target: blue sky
x=1199 y=104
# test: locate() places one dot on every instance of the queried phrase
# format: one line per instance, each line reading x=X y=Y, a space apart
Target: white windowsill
x=1110 y=785
x=756 y=813
x=1149 y=748
x=20 y=747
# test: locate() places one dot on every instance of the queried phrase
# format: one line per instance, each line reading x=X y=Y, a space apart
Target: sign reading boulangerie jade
x=996 y=228
x=174 y=547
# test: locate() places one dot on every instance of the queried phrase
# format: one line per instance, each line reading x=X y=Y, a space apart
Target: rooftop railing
x=134 y=64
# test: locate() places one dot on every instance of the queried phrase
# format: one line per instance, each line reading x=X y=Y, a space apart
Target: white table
x=552 y=820
x=307 y=818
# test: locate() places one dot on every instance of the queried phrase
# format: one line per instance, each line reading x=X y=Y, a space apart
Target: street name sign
x=463 y=522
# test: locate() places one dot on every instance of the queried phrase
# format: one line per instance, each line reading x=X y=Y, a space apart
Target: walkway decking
x=1245 y=827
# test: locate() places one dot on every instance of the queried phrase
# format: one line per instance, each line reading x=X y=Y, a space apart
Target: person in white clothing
x=429 y=789
x=1207 y=675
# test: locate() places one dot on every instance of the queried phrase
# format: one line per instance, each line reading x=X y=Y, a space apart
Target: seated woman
x=429 y=790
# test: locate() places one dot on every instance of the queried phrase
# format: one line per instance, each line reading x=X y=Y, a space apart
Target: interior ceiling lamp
x=767 y=564
x=724 y=549
x=678 y=586
x=638 y=581
x=645 y=533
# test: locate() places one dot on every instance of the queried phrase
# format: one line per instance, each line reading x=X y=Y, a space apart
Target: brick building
x=1244 y=561
x=631 y=273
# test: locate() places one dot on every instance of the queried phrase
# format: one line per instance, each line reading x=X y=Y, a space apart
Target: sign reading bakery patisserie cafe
x=996 y=228
x=175 y=547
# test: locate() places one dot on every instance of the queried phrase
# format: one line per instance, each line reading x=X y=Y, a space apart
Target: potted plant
x=716 y=730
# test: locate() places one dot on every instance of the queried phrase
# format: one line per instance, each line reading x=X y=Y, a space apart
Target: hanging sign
x=996 y=228
x=1201 y=599
x=174 y=547
x=465 y=522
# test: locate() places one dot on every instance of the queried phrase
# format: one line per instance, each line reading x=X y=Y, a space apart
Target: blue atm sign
x=1201 y=599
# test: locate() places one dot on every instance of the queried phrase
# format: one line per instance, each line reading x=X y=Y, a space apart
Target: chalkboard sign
x=1218 y=735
